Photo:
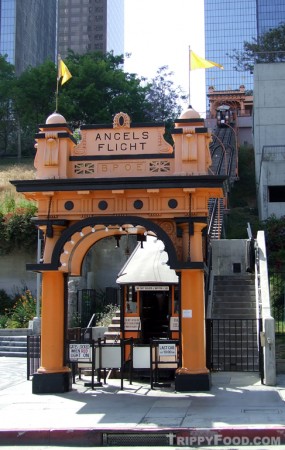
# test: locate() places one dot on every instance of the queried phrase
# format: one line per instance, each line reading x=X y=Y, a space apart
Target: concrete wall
x=244 y=127
x=226 y=253
x=269 y=130
x=13 y=274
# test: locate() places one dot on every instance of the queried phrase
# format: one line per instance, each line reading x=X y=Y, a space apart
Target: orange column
x=52 y=335
x=194 y=375
x=193 y=321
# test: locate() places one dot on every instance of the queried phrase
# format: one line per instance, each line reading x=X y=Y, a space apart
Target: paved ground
x=237 y=409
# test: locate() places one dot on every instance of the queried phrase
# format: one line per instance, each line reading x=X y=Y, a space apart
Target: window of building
x=276 y=194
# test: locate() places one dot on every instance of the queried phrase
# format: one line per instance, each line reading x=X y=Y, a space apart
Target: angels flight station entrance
x=124 y=178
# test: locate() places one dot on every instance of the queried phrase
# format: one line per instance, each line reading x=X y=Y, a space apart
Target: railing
x=232 y=345
x=277 y=297
x=33 y=354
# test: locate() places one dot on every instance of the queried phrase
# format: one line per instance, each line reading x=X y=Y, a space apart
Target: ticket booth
x=150 y=294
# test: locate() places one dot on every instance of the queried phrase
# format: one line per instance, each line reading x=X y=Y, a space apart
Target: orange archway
x=122 y=175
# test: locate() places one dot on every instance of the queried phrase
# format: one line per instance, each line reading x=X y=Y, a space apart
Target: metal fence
x=233 y=345
x=277 y=300
x=33 y=354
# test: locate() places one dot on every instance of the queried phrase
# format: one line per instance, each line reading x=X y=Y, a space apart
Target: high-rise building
x=90 y=25
x=227 y=25
x=27 y=32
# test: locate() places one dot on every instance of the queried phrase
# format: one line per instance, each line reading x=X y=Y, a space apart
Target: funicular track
x=231 y=326
x=223 y=154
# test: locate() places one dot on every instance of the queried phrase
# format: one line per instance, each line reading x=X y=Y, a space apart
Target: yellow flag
x=196 y=62
x=63 y=72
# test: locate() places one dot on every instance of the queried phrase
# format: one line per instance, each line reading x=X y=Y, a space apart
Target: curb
x=88 y=437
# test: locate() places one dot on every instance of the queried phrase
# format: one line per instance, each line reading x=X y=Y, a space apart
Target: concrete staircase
x=112 y=335
x=234 y=334
x=13 y=342
x=234 y=297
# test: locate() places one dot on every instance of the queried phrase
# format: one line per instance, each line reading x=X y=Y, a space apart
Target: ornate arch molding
x=79 y=238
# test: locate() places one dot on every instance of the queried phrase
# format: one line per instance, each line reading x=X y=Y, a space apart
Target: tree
x=99 y=88
x=268 y=48
x=274 y=229
x=7 y=126
x=163 y=97
x=34 y=100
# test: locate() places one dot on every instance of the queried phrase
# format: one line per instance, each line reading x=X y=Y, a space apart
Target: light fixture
x=93 y=229
x=106 y=229
x=72 y=242
x=81 y=233
x=120 y=229
x=117 y=237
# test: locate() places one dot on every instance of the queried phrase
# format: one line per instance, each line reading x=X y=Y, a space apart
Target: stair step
x=15 y=332
x=116 y=319
x=13 y=344
x=114 y=327
x=13 y=354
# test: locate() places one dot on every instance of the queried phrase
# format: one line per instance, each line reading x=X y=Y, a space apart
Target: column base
x=52 y=383
x=187 y=382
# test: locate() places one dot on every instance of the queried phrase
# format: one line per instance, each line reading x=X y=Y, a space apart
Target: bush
x=4 y=321
x=6 y=303
x=24 y=310
x=105 y=317
x=17 y=231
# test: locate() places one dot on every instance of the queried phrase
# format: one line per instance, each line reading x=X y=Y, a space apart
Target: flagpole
x=189 y=81
x=56 y=96
x=57 y=83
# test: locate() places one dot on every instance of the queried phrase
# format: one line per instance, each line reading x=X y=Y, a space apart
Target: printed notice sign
x=174 y=323
x=151 y=288
x=132 y=323
x=80 y=352
x=187 y=313
x=167 y=349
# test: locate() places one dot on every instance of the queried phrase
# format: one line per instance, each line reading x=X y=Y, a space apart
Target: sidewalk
x=237 y=406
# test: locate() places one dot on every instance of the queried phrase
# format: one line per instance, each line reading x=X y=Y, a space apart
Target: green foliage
x=242 y=199
x=268 y=48
x=106 y=316
x=163 y=97
x=7 y=80
x=99 y=88
x=17 y=230
x=274 y=229
x=277 y=285
x=33 y=98
x=6 y=303
x=4 y=321
x=23 y=311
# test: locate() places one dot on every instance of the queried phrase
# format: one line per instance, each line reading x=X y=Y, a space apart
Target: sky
x=159 y=33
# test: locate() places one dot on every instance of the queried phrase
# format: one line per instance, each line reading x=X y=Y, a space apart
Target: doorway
x=155 y=314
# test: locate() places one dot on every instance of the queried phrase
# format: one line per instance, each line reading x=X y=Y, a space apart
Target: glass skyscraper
x=90 y=25
x=227 y=25
x=27 y=32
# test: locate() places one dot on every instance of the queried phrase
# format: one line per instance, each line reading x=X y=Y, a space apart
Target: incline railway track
x=224 y=160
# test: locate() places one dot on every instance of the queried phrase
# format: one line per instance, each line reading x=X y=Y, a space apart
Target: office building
x=227 y=25
x=269 y=148
x=27 y=32
x=90 y=25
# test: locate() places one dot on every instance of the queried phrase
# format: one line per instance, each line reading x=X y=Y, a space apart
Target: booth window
x=131 y=300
